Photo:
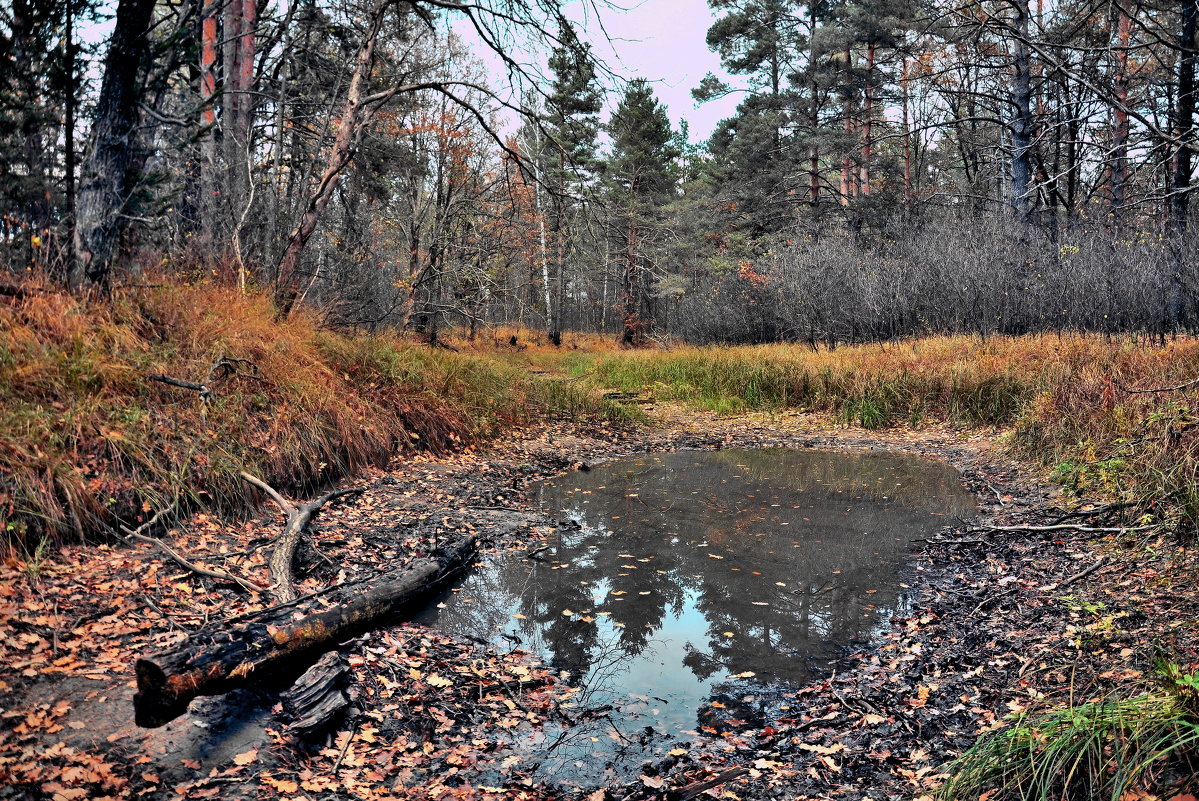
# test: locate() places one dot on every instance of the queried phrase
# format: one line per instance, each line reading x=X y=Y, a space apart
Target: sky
x=664 y=41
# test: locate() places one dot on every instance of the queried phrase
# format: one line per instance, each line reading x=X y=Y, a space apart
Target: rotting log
x=223 y=656
x=318 y=699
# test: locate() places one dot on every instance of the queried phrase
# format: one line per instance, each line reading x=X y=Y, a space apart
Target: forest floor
x=1000 y=622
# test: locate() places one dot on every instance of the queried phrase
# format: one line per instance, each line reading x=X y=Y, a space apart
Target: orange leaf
x=246 y=758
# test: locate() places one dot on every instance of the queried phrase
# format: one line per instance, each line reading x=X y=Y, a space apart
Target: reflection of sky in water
x=700 y=583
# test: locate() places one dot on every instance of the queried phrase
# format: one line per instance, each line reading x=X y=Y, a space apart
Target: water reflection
x=697 y=579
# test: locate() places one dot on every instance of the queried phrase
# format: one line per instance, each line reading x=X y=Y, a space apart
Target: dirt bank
x=998 y=622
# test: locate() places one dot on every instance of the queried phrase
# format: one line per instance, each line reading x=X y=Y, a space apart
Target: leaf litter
x=985 y=635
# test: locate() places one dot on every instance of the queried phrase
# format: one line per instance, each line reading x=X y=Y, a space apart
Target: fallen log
x=318 y=698
x=222 y=656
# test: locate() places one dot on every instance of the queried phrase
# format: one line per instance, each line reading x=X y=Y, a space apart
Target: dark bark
x=1184 y=126
x=1022 y=124
x=230 y=654
x=318 y=701
x=70 y=101
x=104 y=183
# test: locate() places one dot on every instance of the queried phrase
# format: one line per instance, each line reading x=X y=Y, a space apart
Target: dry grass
x=1063 y=396
x=87 y=440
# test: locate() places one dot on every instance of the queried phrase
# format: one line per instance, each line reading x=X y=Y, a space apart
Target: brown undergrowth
x=88 y=439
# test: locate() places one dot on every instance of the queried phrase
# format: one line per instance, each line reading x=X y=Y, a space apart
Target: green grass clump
x=1096 y=750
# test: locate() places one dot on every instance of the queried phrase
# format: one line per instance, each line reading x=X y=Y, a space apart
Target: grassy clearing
x=86 y=439
x=1063 y=397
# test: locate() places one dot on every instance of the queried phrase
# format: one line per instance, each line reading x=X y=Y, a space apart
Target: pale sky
x=664 y=41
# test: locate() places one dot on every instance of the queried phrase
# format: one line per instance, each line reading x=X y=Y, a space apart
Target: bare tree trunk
x=231 y=15
x=1021 y=127
x=907 y=137
x=1120 y=129
x=630 y=335
x=104 y=181
x=70 y=161
x=339 y=157
x=1184 y=126
x=847 y=162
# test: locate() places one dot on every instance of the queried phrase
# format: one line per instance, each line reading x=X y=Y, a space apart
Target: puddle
x=700 y=587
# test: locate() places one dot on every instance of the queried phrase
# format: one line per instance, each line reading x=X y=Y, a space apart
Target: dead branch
x=1077 y=577
x=230 y=367
x=687 y=792
x=1065 y=527
x=1194 y=382
x=205 y=392
x=283 y=585
x=220 y=575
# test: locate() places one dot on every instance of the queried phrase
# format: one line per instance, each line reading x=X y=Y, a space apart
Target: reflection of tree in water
x=802 y=536
x=763 y=561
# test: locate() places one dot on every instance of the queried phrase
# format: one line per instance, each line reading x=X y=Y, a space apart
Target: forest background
x=893 y=168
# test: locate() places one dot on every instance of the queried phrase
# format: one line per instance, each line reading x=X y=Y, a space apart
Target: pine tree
x=572 y=121
x=641 y=174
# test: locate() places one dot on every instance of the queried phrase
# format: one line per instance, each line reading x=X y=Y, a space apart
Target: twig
x=687 y=792
x=1067 y=527
x=345 y=748
x=1185 y=385
x=221 y=575
x=1079 y=576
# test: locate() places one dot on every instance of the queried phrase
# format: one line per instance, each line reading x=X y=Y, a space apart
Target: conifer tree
x=641 y=174
x=572 y=110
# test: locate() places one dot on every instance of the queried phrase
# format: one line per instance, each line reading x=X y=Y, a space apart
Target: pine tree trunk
x=630 y=335
x=209 y=185
x=103 y=186
x=868 y=119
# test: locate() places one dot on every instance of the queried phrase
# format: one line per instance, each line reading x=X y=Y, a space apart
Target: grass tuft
x=1096 y=750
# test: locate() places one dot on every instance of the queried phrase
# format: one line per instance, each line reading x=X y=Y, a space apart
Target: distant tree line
x=894 y=167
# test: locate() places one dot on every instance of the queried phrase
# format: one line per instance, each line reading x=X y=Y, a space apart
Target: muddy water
x=700 y=586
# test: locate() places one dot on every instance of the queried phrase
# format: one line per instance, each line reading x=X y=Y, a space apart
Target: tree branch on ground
x=139 y=534
x=283 y=585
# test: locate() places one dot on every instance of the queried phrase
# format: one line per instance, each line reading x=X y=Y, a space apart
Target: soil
x=1000 y=622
